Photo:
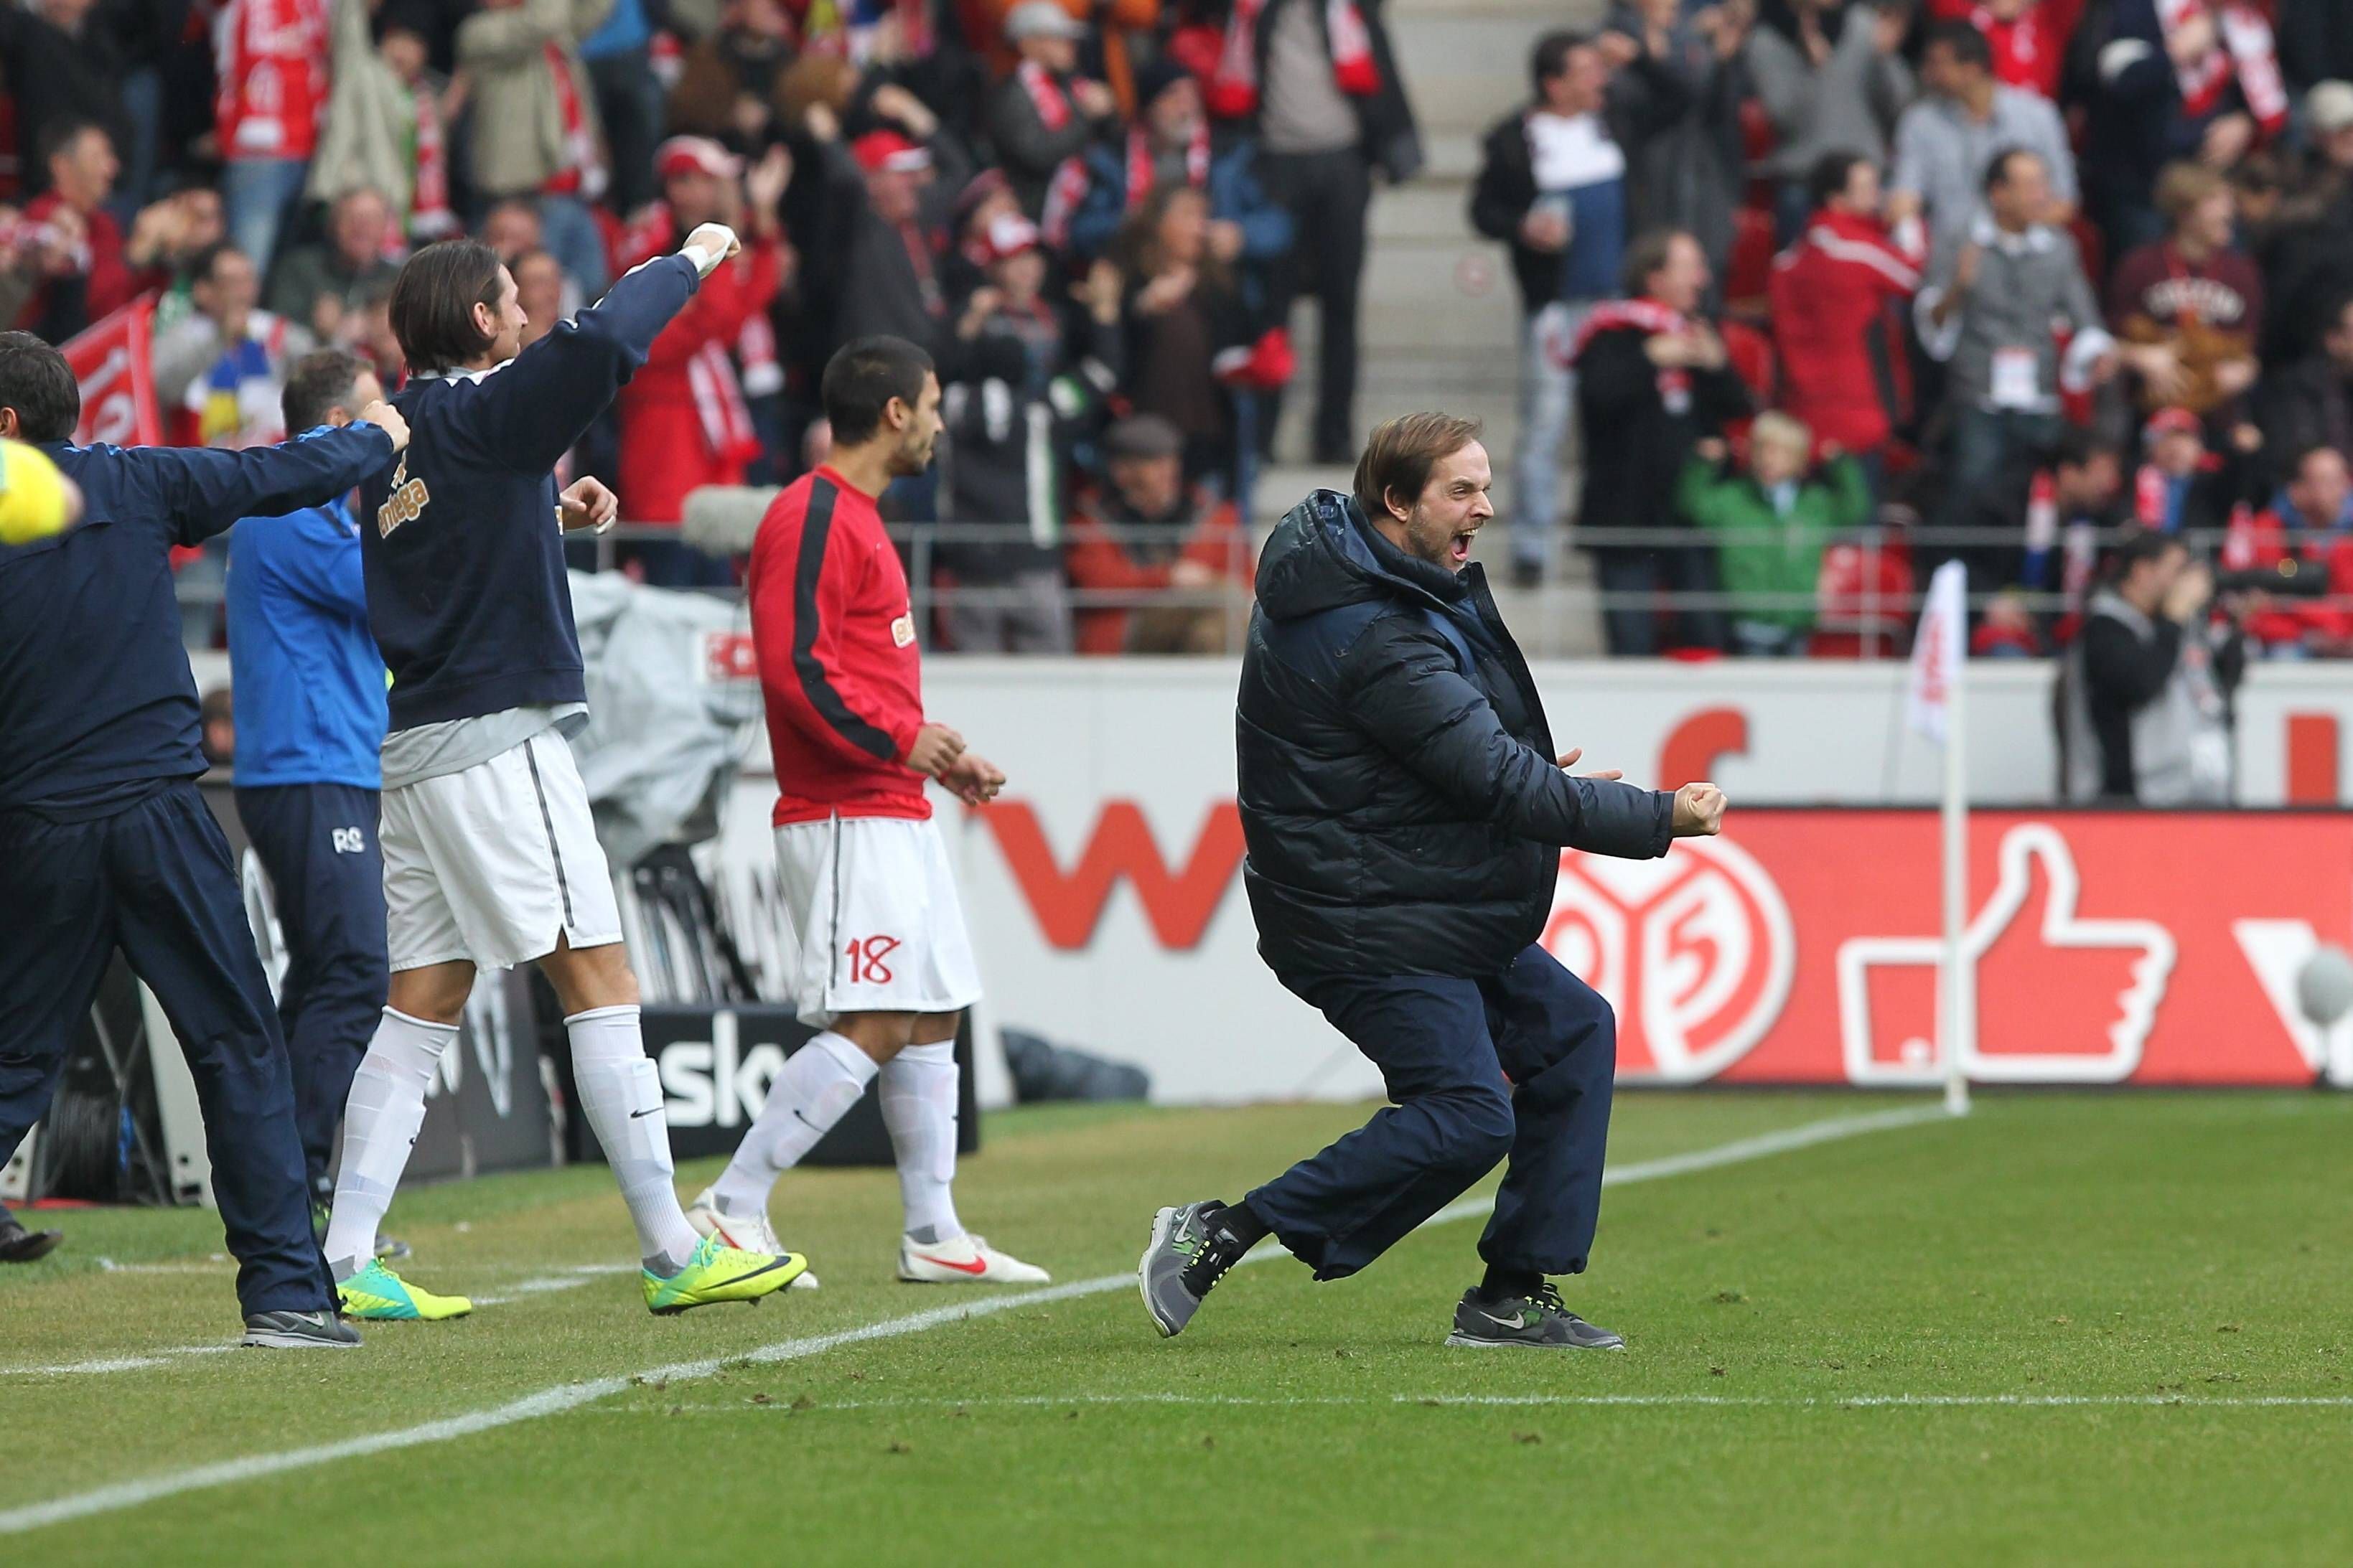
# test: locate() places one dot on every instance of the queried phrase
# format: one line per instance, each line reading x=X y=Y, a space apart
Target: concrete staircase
x=1441 y=315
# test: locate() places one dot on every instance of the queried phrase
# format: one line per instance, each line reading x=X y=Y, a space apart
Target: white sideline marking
x=573 y=1395
x=115 y=1364
x=569 y=1279
x=1794 y=1402
x=219 y=1265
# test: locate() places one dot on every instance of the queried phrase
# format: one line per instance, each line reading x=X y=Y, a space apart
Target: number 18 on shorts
x=873 y=923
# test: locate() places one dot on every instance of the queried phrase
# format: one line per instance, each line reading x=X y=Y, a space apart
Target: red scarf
x=1068 y=187
x=1650 y=319
x=583 y=173
x=756 y=349
x=927 y=276
x=430 y=216
x=1046 y=94
x=1140 y=162
x=719 y=402
x=2246 y=55
x=1064 y=192
x=1649 y=315
x=1231 y=90
x=2151 y=491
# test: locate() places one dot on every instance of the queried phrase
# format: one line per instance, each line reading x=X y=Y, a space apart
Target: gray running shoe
x=1183 y=1260
x=18 y=1245
x=300 y=1332
x=1541 y=1321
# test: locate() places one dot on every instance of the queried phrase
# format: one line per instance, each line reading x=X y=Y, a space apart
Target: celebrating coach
x=1405 y=817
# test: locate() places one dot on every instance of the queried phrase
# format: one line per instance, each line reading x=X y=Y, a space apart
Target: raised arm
x=1416 y=703
x=205 y=491
x=545 y=398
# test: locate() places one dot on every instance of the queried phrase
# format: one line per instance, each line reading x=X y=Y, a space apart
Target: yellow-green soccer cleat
x=718 y=1272
x=379 y=1295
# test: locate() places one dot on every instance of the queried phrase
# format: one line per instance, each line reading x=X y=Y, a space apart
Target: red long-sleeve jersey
x=835 y=634
x=1831 y=294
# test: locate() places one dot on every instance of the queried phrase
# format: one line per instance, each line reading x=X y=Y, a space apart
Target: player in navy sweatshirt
x=104 y=840
x=491 y=858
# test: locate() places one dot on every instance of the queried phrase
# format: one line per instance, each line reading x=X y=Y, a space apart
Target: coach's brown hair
x=1402 y=452
x=433 y=302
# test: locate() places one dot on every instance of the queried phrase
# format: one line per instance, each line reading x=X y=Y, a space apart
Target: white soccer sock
x=380 y=1121
x=919 y=1107
x=620 y=1093
x=815 y=1089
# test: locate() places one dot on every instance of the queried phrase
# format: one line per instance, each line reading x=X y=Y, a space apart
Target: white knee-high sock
x=380 y=1123
x=819 y=1085
x=919 y=1107
x=620 y=1093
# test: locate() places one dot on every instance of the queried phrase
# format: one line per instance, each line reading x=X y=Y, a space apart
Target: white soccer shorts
x=872 y=923
x=491 y=862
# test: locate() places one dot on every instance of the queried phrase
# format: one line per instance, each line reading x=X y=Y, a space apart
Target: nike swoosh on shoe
x=977 y=1265
x=771 y=1265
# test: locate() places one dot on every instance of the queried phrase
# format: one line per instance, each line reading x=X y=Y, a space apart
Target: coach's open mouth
x=1460 y=549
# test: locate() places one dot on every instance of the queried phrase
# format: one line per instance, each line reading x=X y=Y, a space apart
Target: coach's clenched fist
x=1699 y=811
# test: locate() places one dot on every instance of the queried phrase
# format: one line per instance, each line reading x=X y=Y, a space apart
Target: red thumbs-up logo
x=2059 y=998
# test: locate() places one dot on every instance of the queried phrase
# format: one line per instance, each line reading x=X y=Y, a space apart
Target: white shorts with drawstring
x=494 y=862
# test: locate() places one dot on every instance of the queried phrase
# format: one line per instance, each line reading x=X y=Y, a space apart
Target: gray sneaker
x=1183 y=1260
x=1541 y=1321
x=300 y=1332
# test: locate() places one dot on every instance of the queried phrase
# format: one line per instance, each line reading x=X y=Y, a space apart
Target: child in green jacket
x=1772 y=523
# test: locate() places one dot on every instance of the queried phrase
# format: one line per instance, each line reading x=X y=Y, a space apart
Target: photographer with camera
x=2145 y=691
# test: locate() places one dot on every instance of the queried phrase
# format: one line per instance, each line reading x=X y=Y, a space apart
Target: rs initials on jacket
x=406 y=502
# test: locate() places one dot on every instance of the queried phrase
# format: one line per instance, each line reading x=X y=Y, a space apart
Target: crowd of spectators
x=1096 y=218
x=2017 y=273
x=1996 y=281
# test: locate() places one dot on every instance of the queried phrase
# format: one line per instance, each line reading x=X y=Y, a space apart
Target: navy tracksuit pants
x=318 y=842
x=1517 y=1065
x=155 y=879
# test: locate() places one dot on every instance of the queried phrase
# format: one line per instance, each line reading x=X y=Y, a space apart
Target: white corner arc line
x=554 y=1401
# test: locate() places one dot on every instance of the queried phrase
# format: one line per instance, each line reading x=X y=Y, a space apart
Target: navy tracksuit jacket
x=1405 y=817
x=105 y=842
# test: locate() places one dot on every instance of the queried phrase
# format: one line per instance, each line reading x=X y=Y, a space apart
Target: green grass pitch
x=2068 y=1328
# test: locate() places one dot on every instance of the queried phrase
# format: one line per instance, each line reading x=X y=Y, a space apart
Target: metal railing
x=1877 y=614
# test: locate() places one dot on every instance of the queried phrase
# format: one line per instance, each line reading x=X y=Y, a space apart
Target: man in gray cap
x=2328 y=119
x=1160 y=567
x=1045 y=113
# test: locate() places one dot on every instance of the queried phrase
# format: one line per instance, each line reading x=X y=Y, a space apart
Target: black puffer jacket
x=1399 y=798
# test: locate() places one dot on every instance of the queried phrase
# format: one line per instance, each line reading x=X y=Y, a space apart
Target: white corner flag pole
x=1935 y=706
x=1957 y=990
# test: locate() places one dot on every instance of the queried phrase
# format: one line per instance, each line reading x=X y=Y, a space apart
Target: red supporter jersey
x=835 y=633
x=1831 y=294
x=270 y=58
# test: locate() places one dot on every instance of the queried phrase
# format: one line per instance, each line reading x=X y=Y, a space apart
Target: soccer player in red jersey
x=881 y=965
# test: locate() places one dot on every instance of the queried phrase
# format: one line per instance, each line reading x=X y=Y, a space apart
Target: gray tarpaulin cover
x=669 y=686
